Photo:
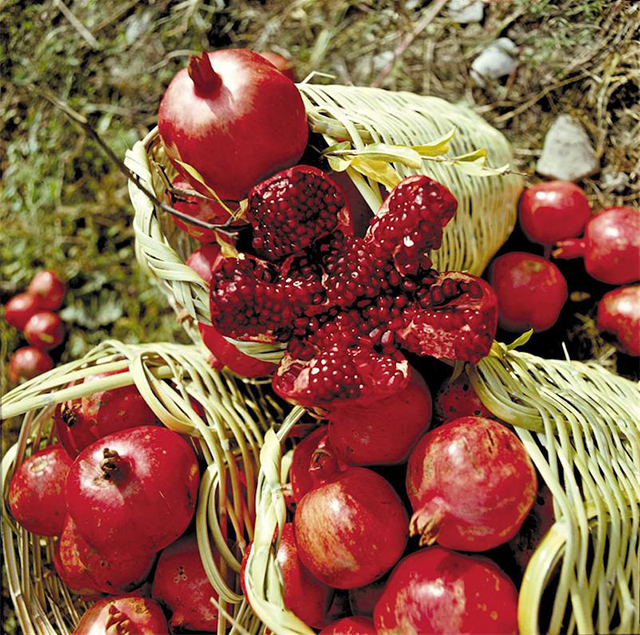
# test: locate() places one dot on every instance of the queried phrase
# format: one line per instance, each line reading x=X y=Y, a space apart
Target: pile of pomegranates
x=532 y=290
x=34 y=314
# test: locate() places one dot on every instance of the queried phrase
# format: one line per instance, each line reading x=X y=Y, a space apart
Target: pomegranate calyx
x=205 y=80
x=426 y=523
x=111 y=464
x=570 y=248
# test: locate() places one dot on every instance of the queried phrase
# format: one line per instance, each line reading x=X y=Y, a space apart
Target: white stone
x=567 y=153
x=495 y=61
x=466 y=11
x=616 y=181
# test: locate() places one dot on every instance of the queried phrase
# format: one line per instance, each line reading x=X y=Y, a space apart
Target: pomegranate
x=124 y=615
x=619 y=315
x=48 y=288
x=20 y=308
x=28 y=362
x=359 y=209
x=234 y=118
x=120 y=482
x=350 y=626
x=209 y=211
x=313 y=463
x=610 y=246
x=68 y=564
x=553 y=211
x=180 y=583
x=346 y=304
x=531 y=291
x=439 y=591
x=80 y=422
x=83 y=564
x=471 y=485
x=303 y=595
x=534 y=528
x=37 y=491
x=456 y=399
x=284 y=65
x=382 y=432
x=44 y=330
x=351 y=530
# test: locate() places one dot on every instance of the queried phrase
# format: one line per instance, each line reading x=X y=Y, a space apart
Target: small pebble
x=466 y=11
x=567 y=153
x=495 y=61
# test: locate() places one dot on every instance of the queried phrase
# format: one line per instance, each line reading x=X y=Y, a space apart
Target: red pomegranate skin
x=350 y=626
x=471 y=484
x=68 y=564
x=363 y=600
x=20 y=308
x=138 y=498
x=284 y=65
x=456 y=399
x=254 y=117
x=205 y=261
x=83 y=421
x=28 y=362
x=44 y=330
x=385 y=431
x=351 y=530
x=552 y=211
x=48 y=288
x=124 y=615
x=619 y=314
x=37 y=491
x=531 y=291
x=180 y=583
x=439 y=591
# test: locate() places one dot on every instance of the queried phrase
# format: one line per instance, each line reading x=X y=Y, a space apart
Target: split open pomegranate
x=345 y=305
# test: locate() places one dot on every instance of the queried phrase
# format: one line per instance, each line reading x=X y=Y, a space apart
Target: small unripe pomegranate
x=48 y=288
x=28 y=362
x=20 y=308
x=44 y=330
x=619 y=315
x=553 y=211
x=531 y=291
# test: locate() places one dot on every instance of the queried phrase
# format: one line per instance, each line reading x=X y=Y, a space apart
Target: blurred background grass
x=63 y=206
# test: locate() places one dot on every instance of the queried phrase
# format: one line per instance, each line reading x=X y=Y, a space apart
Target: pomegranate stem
x=111 y=464
x=206 y=81
x=570 y=248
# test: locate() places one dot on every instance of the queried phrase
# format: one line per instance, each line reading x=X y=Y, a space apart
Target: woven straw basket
x=227 y=437
x=363 y=117
x=580 y=425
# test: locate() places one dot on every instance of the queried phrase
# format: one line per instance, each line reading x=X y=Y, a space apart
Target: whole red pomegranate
x=531 y=291
x=209 y=211
x=19 y=309
x=619 y=315
x=351 y=530
x=124 y=615
x=82 y=564
x=553 y=211
x=345 y=304
x=37 y=491
x=350 y=626
x=456 y=399
x=234 y=118
x=80 y=422
x=133 y=492
x=610 y=246
x=44 y=330
x=382 y=432
x=48 y=288
x=471 y=485
x=303 y=595
x=28 y=362
x=439 y=591
x=181 y=584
